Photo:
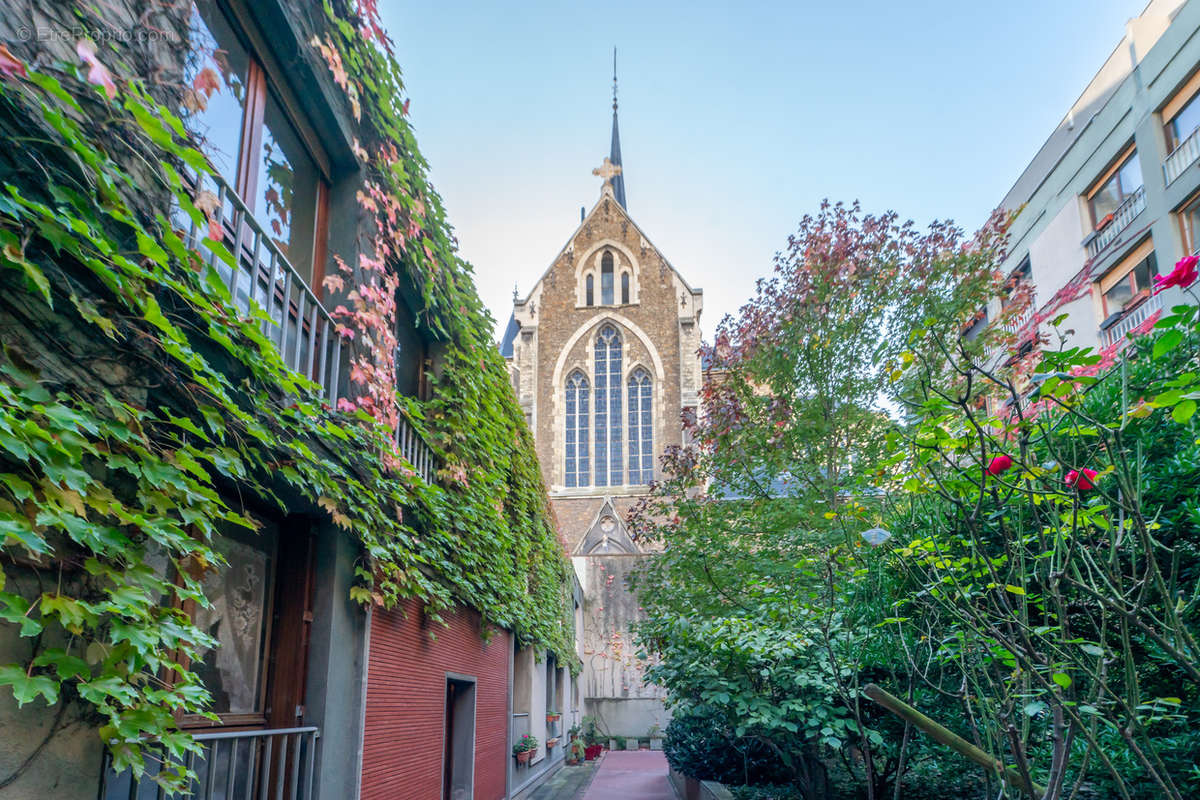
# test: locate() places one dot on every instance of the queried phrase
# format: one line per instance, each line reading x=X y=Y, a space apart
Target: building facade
x=1113 y=196
x=603 y=353
x=317 y=692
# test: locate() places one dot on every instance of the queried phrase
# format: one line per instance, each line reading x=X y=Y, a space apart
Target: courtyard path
x=631 y=775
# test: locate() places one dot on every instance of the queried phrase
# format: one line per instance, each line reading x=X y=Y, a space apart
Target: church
x=603 y=352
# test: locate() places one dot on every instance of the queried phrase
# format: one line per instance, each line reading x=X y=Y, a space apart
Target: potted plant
x=552 y=716
x=524 y=748
x=576 y=752
x=656 y=738
x=551 y=742
x=574 y=731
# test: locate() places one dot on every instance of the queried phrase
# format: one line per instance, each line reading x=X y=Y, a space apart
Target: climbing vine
x=136 y=400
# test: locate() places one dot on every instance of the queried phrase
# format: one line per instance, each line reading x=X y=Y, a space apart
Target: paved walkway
x=631 y=775
x=569 y=783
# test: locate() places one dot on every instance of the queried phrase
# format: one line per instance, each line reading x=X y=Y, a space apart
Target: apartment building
x=1113 y=196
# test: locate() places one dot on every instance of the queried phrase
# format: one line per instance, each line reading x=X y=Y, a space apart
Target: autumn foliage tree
x=763 y=573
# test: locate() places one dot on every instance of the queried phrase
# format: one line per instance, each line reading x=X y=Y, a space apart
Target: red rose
x=1081 y=481
x=1183 y=276
x=999 y=464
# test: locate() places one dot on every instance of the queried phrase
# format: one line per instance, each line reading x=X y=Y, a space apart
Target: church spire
x=618 y=181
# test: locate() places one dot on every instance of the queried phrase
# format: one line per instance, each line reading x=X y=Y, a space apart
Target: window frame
x=264 y=77
x=1181 y=99
x=1111 y=173
x=1125 y=271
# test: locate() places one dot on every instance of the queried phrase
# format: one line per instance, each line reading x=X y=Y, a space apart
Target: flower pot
x=552 y=742
x=552 y=717
x=524 y=756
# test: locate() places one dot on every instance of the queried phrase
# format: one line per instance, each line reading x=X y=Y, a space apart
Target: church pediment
x=607 y=535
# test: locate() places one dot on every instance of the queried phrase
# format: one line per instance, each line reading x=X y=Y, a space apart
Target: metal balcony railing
x=1133 y=318
x=1124 y=215
x=1182 y=157
x=415 y=450
x=234 y=765
x=298 y=324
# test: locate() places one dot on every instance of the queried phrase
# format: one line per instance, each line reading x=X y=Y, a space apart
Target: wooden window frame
x=1111 y=170
x=264 y=77
x=1190 y=243
x=1124 y=271
x=1182 y=96
x=289 y=597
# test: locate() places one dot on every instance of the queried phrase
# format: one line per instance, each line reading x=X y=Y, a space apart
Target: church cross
x=608 y=171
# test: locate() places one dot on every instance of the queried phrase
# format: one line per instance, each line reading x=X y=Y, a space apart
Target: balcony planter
x=592 y=752
x=524 y=756
x=552 y=716
x=551 y=742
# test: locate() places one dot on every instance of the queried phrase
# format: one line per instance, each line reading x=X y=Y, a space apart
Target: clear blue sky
x=736 y=119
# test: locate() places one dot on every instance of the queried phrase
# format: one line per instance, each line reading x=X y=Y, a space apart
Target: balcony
x=297 y=323
x=1130 y=320
x=1121 y=218
x=255 y=765
x=414 y=450
x=1182 y=157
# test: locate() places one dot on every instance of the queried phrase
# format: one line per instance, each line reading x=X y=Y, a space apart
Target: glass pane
x=287 y=188
x=1130 y=175
x=606 y=279
x=237 y=619
x=1116 y=297
x=1185 y=122
x=625 y=288
x=1105 y=201
x=215 y=87
x=590 y=282
x=1191 y=222
x=1144 y=273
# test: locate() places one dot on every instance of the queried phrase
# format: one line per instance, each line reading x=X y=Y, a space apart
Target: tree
x=762 y=601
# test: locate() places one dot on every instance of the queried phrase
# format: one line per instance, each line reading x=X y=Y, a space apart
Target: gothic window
x=606 y=279
x=624 y=288
x=591 y=296
x=641 y=433
x=609 y=457
x=578 y=391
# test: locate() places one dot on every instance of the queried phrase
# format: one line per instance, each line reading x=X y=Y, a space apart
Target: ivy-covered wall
x=139 y=413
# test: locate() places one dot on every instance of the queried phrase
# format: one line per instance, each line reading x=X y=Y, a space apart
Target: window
x=591 y=297
x=1184 y=124
x=260 y=615
x=246 y=128
x=1189 y=219
x=625 y=288
x=1130 y=282
x=641 y=432
x=609 y=467
x=606 y=279
x=1181 y=114
x=577 y=471
x=1114 y=188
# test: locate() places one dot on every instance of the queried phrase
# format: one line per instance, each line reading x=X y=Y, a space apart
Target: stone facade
x=552 y=336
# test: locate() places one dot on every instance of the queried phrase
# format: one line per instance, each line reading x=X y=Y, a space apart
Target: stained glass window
x=609 y=457
x=577 y=468
x=606 y=279
x=641 y=431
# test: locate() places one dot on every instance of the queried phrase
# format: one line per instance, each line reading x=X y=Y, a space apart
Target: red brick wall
x=406 y=697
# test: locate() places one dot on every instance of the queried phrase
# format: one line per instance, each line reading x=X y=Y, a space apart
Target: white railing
x=1124 y=215
x=1133 y=318
x=298 y=324
x=256 y=765
x=415 y=450
x=1182 y=157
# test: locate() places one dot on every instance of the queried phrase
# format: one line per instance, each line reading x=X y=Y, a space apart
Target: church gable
x=607 y=534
